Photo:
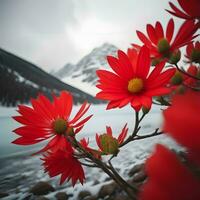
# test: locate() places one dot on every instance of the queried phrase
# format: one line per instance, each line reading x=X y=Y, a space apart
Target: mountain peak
x=84 y=72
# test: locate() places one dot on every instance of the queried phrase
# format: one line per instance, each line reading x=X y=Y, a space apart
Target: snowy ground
x=20 y=172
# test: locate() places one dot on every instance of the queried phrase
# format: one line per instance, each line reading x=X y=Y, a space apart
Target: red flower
x=161 y=45
x=191 y=9
x=63 y=163
x=193 y=52
x=168 y=178
x=109 y=144
x=182 y=121
x=131 y=81
x=49 y=120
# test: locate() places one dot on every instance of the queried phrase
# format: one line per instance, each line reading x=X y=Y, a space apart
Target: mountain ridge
x=21 y=80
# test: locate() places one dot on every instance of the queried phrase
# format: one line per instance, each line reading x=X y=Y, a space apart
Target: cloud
x=51 y=33
x=30 y=27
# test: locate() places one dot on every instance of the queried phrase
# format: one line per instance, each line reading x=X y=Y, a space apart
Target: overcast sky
x=51 y=33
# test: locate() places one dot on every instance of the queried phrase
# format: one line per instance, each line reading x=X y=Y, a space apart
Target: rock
x=61 y=196
x=136 y=169
x=41 y=188
x=41 y=198
x=140 y=177
x=91 y=198
x=121 y=197
x=96 y=182
x=27 y=197
x=107 y=179
x=3 y=194
x=108 y=190
x=83 y=194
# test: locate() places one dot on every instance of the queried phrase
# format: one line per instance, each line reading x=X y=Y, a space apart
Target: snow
x=22 y=79
x=7 y=111
x=30 y=167
x=83 y=74
x=78 y=83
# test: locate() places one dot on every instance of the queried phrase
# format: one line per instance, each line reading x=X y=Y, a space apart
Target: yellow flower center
x=135 y=85
x=60 y=126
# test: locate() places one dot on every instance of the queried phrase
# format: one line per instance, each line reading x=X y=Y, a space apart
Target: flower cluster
x=132 y=82
x=144 y=75
x=162 y=45
x=51 y=120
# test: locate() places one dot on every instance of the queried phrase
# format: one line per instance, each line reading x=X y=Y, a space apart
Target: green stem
x=186 y=73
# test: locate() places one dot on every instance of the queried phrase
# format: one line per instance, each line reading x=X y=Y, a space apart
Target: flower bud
x=109 y=145
x=163 y=47
x=145 y=110
x=177 y=79
x=195 y=56
x=175 y=57
x=70 y=131
x=180 y=89
x=155 y=61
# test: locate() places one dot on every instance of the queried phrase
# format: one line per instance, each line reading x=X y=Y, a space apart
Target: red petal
x=191 y=7
x=159 y=30
x=158 y=91
x=77 y=130
x=48 y=105
x=82 y=122
x=170 y=30
x=118 y=67
x=80 y=113
x=123 y=134
x=66 y=102
x=144 y=39
x=152 y=34
x=32 y=132
x=113 y=104
x=146 y=101
x=109 y=130
x=26 y=141
x=126 y=63
x=98 y=141
x=50 y=145
x=184 y=34
x=133 y=56
x=136 y=104
x=177 y=12
x=125 y=101
x=111 y=95
x=189 y=49
x=109 y=78
x=143 y=64
x=162 y=79
x=21 y=120
x=156 y=71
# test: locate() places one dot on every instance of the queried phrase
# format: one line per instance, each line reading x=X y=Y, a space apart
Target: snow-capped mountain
x=83 y=74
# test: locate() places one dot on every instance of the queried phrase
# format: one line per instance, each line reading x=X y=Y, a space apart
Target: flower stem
x=186 y=73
